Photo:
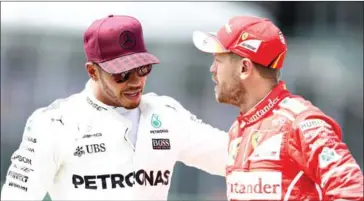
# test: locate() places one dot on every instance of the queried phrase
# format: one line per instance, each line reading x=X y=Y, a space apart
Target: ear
x=92 y=71
x=246 y=68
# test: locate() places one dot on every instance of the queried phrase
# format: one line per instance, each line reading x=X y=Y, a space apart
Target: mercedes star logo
x=127 y=40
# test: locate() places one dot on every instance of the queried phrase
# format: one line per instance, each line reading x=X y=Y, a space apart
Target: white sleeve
x=34 y=163
x=203 y=146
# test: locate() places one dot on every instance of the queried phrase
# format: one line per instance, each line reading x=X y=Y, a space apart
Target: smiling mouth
x=132 y=92
x=214 y=79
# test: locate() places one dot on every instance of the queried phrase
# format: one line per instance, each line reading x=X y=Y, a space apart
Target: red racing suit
x=287 y=149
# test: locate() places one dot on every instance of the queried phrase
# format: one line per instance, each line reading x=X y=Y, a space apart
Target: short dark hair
x=265 y=72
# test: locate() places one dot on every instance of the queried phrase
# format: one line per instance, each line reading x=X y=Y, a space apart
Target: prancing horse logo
x=127 y=40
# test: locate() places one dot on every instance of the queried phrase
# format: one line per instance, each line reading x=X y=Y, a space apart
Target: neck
x=96 y=91
x=255 y=94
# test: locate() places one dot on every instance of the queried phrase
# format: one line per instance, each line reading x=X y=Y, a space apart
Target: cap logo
x=252 y=45
x=281 y=38
x=244 y=35
x=127 y=40
x=228 y=28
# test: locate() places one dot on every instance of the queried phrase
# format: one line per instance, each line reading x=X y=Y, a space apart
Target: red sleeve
x=319 y=151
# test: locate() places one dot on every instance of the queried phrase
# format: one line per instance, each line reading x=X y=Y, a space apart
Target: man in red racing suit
x=281 y=146
x=287 y=149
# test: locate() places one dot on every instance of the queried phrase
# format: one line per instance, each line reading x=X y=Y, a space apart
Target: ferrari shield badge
x=233 y=150
x=255 y=139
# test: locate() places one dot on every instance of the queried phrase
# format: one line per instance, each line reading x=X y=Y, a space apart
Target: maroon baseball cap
x=248 y=36
x=116 y=43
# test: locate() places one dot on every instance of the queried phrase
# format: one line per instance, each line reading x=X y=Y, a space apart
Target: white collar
x=94 y=102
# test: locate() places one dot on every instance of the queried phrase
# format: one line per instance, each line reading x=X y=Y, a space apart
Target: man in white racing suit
x=110 y=142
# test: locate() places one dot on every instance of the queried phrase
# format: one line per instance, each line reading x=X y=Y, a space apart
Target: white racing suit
x=77 y=149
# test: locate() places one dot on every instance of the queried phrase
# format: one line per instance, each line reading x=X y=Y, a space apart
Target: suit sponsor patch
x=313 y=123
x=22 y=159
x=90 y=149
x=92 y=135
x=254 y=186
x=161 y=144
x=117 y=180
x=293 y=105
x=328 y=156
x=233 y=150
x=268 y=149
x=15 y=185
x=160 y=131
x=18 y=176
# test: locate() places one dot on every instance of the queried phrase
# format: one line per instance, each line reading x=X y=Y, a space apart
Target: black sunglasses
x=124 y=76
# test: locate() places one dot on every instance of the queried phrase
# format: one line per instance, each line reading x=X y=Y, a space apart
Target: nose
x=134 y=79
x=213 y=68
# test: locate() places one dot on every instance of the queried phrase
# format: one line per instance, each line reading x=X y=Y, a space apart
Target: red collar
x=265 y=106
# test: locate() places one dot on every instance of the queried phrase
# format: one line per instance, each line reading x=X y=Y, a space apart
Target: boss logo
x=161 y=144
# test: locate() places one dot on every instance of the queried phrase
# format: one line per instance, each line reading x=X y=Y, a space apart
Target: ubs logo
x=127 y=40
x=90 y=149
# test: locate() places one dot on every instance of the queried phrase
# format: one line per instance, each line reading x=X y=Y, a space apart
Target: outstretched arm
x=203 y=146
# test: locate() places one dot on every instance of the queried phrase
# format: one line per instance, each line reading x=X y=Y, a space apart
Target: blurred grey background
x=42 y=59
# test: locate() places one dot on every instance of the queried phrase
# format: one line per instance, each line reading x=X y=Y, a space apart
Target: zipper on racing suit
x=242 y=128
x=127 y=139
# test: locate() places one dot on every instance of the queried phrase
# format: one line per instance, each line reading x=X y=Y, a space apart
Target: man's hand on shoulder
x=203 y=146
x=173 y=104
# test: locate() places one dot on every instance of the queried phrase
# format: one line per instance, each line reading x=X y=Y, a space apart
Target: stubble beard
x=115 y=99
x=132 y=105
x=233 y=93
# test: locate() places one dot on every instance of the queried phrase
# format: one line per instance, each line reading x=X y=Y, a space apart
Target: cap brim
x=129 y=62
x=208 y=42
